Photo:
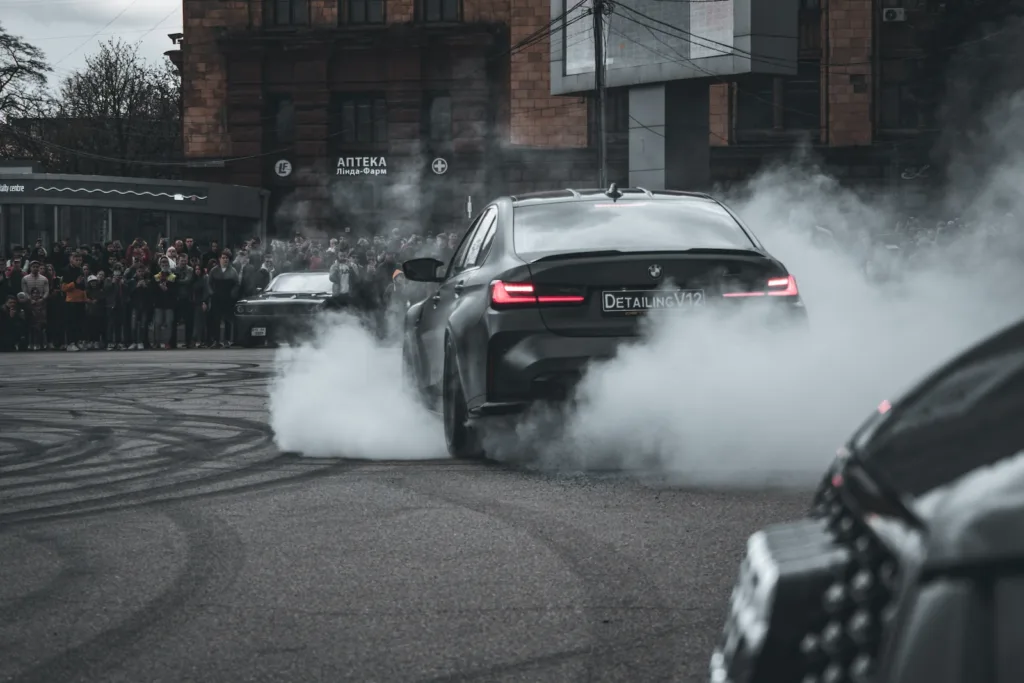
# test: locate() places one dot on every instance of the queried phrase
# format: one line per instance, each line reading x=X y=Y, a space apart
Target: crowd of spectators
x=177 y=294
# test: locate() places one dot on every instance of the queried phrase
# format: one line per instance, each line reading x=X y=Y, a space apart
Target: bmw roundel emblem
x=654 y=271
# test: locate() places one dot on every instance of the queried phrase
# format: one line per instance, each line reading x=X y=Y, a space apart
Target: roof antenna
x=613 y=192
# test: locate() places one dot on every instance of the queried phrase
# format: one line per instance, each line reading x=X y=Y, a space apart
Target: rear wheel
x=461 y=438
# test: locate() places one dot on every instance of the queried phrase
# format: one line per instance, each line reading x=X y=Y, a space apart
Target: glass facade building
x=86 y=210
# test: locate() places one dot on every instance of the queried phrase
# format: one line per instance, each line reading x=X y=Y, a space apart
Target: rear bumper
x=526 y=363
x=524 y=369
x=275 y=326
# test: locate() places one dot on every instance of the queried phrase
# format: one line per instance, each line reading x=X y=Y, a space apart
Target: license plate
x=635 y=302
x=258 y=332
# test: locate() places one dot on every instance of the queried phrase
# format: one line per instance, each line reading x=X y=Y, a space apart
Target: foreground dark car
x=544 y=283
x=285 y=311
x=910 y=566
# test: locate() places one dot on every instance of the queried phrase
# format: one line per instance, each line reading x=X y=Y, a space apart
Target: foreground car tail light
x=777 y=286
x=505 y=294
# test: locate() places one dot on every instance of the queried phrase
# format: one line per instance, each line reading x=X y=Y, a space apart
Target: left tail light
x=776 y=286
x=506 y=294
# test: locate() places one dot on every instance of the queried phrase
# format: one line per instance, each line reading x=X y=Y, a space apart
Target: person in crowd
x=141 y=297
x=95 y=312
x=55 y=313
x=223 y=285
x=38 y=252
x=184 y=276
x=165 y=302
x=199 y=303
x=57 y=258
x=17 y=257
x=13 y=323
x=266 y=272
x=35 y=280
x=14 y=274
x=37 y=321
x=341 y=275
x=75 y=300
x=116 y=299
x=213 y=254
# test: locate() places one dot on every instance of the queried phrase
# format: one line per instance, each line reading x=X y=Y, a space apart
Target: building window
x=281 y=120
x=755 y=104
x=440 y=10
x=286 y=13
x=437 y=117
x=359 y=118
x=363 y=11
x=802 y=98
x=899 y=108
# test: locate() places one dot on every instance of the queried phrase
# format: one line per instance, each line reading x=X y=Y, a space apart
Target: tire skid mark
x=215 y=557
x=147 y=466
x=608 y=584
x=83 y=511
x=90 y=451
x=74 y=569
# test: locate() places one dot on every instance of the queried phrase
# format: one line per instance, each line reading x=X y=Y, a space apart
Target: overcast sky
x=68 y=30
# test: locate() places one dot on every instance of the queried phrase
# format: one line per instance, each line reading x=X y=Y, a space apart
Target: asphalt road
x=150 y=531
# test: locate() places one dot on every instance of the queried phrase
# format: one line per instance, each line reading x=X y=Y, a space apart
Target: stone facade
x=718 y=105
x=850 y=86
x=528 y=114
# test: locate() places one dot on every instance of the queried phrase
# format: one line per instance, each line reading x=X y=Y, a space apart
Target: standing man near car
x=223 y=286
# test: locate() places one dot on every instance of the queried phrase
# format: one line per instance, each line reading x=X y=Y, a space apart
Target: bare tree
x=23 y=71
x=116 y=112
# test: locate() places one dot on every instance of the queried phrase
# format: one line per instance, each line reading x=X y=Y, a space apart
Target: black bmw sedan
x=284 y=311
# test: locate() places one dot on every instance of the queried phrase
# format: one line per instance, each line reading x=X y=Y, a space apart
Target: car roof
x=594 y=194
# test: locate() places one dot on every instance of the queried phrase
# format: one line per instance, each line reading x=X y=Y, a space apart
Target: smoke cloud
x=342 y=395
x=726 y=402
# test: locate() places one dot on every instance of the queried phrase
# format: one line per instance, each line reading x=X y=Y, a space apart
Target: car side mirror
x=259 y=290
x=424 y=270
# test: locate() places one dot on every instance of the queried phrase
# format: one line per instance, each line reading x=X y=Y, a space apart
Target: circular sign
x=439 y=166
x=283 y=168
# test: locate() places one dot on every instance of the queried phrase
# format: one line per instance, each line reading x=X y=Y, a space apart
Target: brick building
x=330 y=86
x=855 y=96
x=342 y=107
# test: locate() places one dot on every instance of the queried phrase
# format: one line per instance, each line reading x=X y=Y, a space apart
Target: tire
x=461 y=439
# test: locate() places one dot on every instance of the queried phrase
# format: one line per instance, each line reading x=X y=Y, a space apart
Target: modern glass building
x=94 y=209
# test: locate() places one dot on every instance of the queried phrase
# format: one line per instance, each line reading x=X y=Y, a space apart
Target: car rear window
x=625 y=225
x=301 y=283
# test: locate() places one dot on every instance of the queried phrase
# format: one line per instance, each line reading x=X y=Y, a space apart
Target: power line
x=97 y=33
x=725 y=50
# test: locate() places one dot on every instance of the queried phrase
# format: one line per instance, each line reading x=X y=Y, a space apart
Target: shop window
x=129 y=224
x=203 y=228
x=82 y=225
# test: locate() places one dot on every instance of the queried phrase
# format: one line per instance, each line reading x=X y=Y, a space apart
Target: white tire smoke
x=343 y=395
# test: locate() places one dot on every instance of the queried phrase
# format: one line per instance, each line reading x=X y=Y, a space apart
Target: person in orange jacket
x=75 y=299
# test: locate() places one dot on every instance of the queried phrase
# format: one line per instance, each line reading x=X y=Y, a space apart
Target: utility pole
x=599 y=9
